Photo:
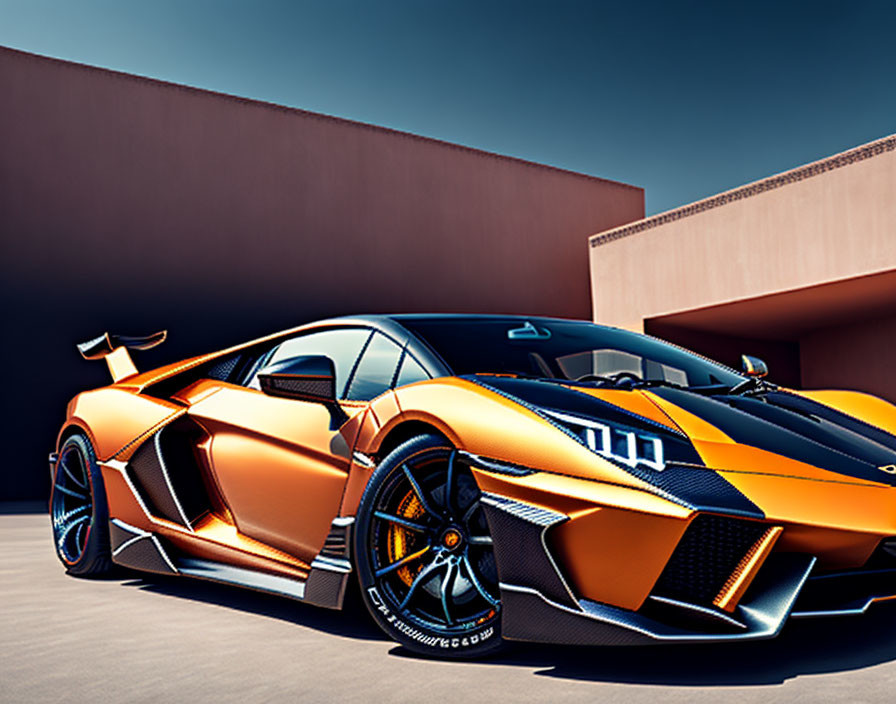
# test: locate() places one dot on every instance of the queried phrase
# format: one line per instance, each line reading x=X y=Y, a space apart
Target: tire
x=79 y=511
x=424 y=555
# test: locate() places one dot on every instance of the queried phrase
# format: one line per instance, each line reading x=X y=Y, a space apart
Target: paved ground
x=132 y=640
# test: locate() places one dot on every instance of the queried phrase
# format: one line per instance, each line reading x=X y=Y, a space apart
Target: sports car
x=485 y=478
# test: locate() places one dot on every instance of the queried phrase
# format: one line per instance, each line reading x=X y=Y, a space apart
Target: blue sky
x=685 y=99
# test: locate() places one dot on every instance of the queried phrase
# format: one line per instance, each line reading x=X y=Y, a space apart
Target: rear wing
x=114 y=349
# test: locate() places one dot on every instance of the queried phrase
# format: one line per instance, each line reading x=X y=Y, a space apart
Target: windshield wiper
x=624 y=382
x=648 y=383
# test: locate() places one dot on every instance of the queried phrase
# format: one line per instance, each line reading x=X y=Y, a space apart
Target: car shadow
x=20 y=508
x=350 y=622
x=805 y=647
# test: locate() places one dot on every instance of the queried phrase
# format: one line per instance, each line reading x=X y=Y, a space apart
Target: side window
x=410 y=372
x=342 y=346
x=374 y=372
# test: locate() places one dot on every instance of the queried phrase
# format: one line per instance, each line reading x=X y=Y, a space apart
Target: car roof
x=386 y=318
x=472 y=316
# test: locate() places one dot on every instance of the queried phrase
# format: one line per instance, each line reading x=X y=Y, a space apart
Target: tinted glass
x=411 y=371
x=374 y=372
x=342 y=346
x=563 y=350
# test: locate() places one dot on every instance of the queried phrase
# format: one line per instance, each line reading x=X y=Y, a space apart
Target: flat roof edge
x=315 y=115
x=800 y=173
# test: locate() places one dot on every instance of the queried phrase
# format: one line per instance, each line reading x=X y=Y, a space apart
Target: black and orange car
x=486 y=478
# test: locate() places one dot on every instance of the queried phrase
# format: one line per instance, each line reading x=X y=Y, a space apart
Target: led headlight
x=618 y=443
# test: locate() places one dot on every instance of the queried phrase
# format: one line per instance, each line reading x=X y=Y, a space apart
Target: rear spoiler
x=114 y=349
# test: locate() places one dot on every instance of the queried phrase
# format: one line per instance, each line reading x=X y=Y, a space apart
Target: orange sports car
x=485 y=478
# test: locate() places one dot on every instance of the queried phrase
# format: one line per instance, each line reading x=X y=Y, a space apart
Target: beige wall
x=821 y=223
x=799 y=268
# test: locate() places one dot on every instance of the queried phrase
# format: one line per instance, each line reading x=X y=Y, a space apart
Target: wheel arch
x=403 y=429
x=397 y=430
x=74 y=426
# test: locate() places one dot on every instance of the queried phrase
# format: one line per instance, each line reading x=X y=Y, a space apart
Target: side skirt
x=239 y=576
x=138 y=549
x=326 y=584
x=331 y=568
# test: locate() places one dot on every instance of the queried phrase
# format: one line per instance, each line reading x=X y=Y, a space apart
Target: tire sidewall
x=476 y=642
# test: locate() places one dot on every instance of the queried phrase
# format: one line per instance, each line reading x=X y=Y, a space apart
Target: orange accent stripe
x=746 y=570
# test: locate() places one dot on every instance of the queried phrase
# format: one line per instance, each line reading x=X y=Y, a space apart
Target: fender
x=115 y=419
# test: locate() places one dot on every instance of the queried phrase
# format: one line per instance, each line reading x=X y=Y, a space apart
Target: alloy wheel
x=72 y=505
x=430 y=549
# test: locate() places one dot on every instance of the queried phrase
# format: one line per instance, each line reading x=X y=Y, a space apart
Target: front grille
x=707 y=554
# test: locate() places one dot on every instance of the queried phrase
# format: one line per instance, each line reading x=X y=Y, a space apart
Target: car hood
x=793 y=433
x=795 y=427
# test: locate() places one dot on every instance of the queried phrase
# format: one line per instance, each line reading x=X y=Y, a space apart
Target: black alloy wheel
x=78 y=510
x=424 y=553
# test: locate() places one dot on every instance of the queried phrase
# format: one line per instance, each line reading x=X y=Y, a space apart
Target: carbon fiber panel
x=707 y=554
x=521 y=555
x=528 y=617
x=313 y=389
x=143 y=552
x=149 y=479
x=223 y=369
x=331 y=569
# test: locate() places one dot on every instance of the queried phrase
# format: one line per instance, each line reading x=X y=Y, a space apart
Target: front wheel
x=424 y=553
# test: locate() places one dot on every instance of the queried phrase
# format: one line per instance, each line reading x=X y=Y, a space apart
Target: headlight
x=618 y=443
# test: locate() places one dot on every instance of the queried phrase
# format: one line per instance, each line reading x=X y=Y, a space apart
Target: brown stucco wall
x=852 y=356
x=129 y=204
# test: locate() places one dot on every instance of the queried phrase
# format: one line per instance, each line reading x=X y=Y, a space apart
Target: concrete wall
x=129 y=205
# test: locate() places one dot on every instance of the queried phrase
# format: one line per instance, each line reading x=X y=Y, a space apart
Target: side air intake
x=167 y=475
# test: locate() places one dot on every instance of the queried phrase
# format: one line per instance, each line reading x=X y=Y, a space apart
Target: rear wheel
x=78 y=510
x=424 y=553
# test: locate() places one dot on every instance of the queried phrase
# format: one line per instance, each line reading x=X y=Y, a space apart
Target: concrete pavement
x=133 y=639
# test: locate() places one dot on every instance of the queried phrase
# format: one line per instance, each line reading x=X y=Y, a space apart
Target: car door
x=280 y=465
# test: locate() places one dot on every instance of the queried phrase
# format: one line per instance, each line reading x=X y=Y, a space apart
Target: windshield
x=563 y=349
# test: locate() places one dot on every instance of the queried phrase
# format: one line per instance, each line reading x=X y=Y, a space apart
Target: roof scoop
x=114 y=349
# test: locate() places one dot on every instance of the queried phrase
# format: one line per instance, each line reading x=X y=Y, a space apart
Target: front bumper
x=539 y=604
x=528 y=615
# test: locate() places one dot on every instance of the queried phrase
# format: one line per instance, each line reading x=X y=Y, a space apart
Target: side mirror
x=306 y=378
x=753 y=366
